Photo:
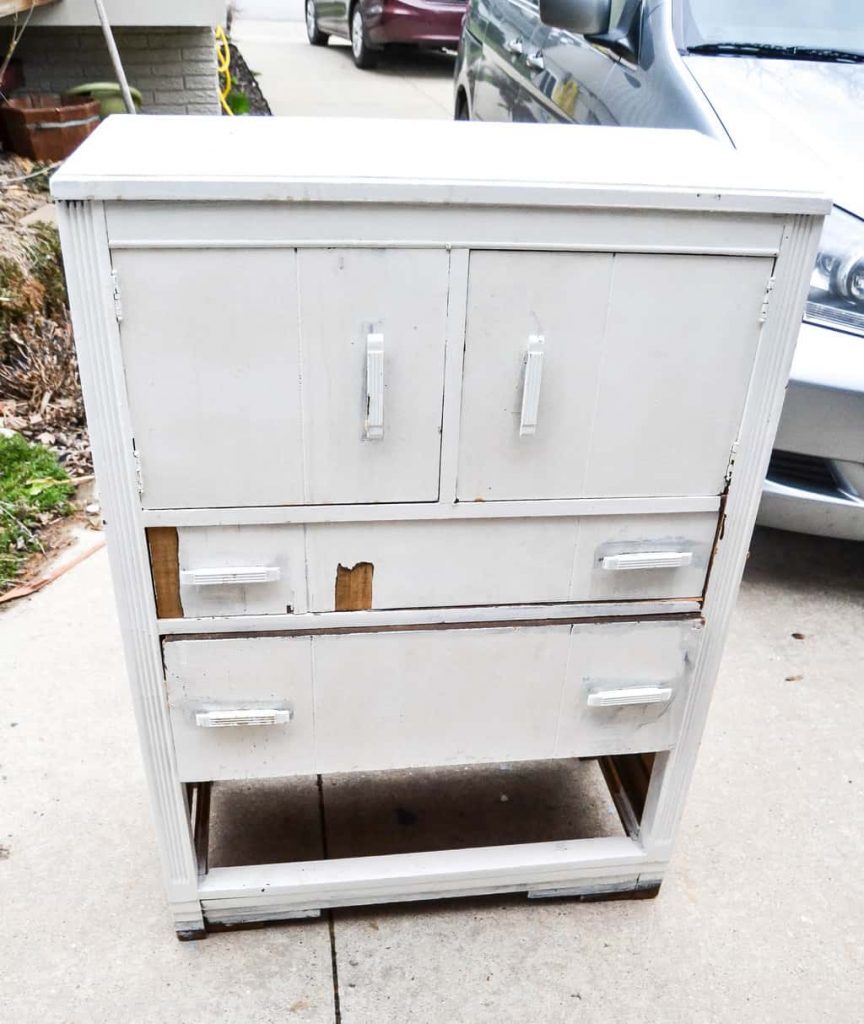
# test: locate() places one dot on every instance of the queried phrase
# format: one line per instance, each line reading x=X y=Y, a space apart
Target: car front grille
x=807 y=471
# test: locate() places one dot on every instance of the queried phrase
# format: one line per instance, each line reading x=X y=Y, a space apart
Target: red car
x=371 y=25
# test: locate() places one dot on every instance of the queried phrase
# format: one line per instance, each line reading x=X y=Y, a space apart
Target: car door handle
x=535 y=61
x=515 y=47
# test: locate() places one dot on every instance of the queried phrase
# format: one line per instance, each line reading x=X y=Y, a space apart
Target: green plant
x=239 y=102
x=34 y=489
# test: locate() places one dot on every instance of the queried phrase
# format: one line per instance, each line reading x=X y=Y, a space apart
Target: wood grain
x=165 y=568
x=8 y=7
x=354 y=587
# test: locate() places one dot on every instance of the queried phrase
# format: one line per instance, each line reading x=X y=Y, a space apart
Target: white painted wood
x=628 y=657
x=385 y=161
x=455 y=353
x=261 y=570
x=88 y=272
x=214 y=389
x=424 y=511
x=602 y=537
x=424 y=565
x=229 y=677
x=360 y=225
x=407 y=699
x=648 y=359
x=595 y=863
x=667 y=792
x=678 y=351
x=345 y=294
x=419 y=617
x=218 y=551
x=562 y=297
x=402 y=700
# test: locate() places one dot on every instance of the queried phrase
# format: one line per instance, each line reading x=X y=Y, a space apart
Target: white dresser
x=425 y=444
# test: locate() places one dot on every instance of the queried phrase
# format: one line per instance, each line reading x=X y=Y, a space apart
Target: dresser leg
x=641 y=892
x=189 y=921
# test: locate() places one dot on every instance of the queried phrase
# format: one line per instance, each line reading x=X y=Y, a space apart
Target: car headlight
x=836 y=296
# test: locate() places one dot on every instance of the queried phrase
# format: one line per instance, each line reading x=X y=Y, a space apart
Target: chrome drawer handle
x=629 y=695
x=230 y=575
x=647 y=560
x=374 y=423
x=225 y=719
x=531 y=386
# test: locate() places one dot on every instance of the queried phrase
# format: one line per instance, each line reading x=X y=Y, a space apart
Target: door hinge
x=115 y=293
x=763 y=311
x=139 y=478
x=732 y=454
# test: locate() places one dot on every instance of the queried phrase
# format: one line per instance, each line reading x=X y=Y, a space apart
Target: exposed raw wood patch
x=627 y=776
x=8 y=7
x=354 y=587
x=165 y=566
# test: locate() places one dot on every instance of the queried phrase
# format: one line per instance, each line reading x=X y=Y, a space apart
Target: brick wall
x=175 y=68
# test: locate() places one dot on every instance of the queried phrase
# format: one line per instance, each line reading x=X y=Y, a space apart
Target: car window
x=828 y=24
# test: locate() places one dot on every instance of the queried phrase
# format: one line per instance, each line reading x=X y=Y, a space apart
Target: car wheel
x=364 y=56
x=315 y=35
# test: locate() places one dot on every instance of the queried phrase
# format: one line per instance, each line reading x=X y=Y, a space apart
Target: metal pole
x=115 y=57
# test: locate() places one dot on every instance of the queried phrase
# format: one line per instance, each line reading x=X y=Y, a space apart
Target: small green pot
x=108 y=94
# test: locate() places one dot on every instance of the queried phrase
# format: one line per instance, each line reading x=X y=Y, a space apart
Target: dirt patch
x=246 y=83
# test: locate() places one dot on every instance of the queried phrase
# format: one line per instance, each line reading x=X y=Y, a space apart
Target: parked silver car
x=786 y=75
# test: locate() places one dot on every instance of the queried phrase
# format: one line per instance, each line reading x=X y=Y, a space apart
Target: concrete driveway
x=761 y=919
x=321 y=81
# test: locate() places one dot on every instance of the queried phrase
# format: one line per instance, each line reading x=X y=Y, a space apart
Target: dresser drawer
x=270 y=706
x=261 y=570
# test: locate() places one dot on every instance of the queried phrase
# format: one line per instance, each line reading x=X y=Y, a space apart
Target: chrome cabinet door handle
x=531 y=386
x=373 y=426
x=630 y=560
x=535 y=61
x=227 y=718
x=233 y=575
x=622 y=696
x=515 y=47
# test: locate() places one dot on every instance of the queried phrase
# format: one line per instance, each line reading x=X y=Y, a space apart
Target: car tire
x=364 y=55
x=314 y=34
x=462 y=113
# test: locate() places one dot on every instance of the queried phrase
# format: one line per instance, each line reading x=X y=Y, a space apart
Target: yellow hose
x=223 y=60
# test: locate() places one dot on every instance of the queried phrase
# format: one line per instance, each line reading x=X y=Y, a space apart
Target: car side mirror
x=584 y=17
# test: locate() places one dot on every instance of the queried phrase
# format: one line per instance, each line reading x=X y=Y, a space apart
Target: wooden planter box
x=47 y=126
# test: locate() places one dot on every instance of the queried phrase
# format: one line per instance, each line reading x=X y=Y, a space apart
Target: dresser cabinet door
x=373 y=327
x=590 y=375
x=553 y=304
x=211 y=350
x=272 y=377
